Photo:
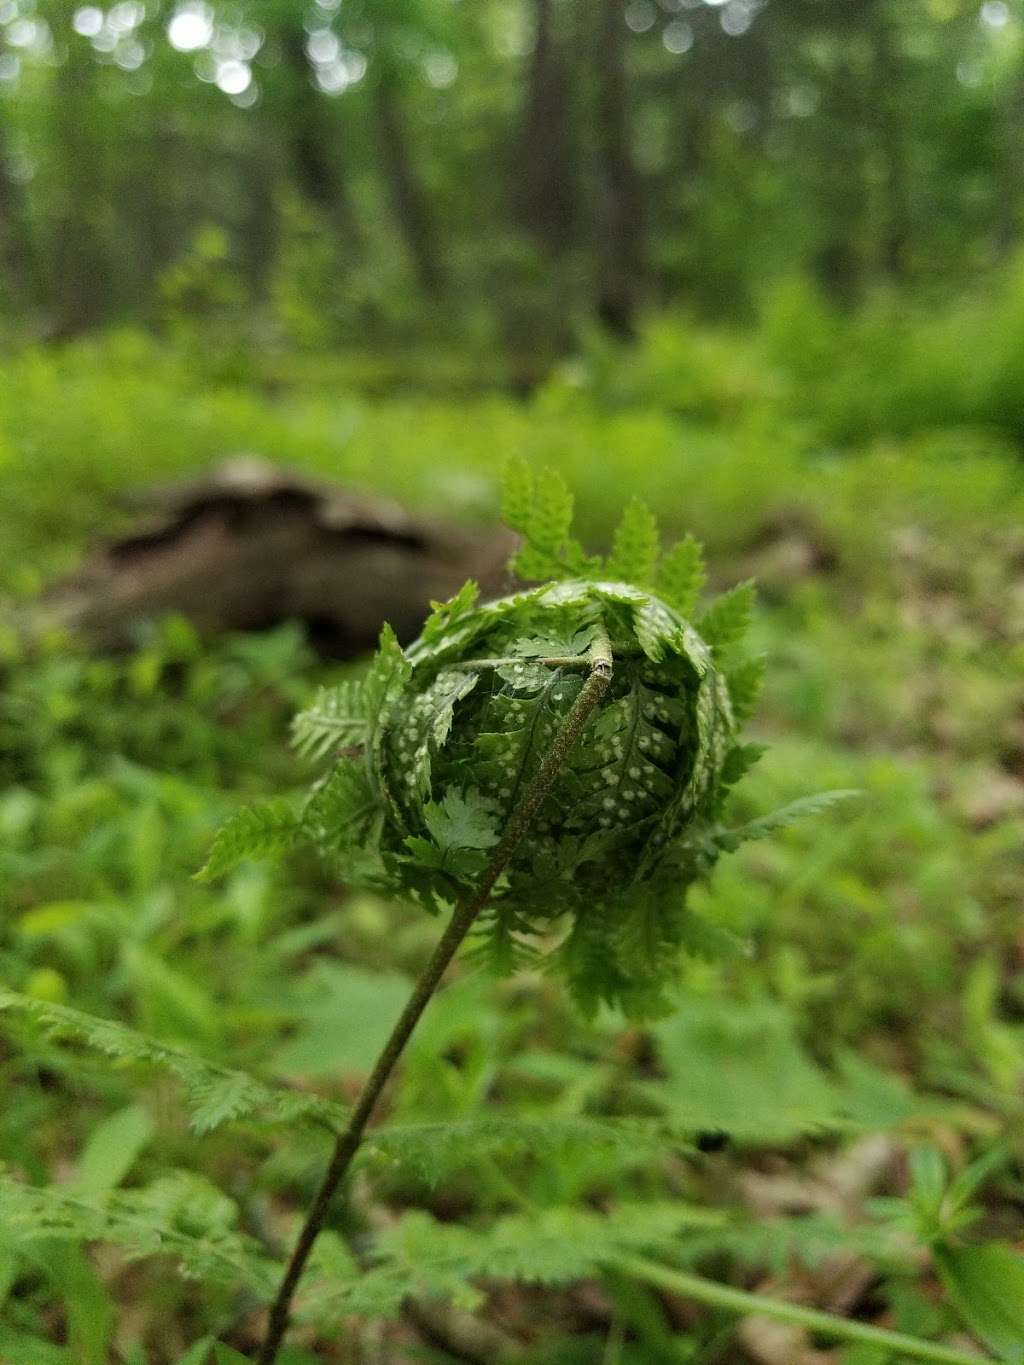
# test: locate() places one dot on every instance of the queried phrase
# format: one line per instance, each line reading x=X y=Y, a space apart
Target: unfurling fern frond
x=214 y=1093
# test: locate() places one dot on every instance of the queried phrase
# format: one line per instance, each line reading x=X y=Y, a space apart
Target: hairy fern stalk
x=548 y=770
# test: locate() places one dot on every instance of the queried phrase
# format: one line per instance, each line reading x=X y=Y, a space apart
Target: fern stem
x=741 y=1302
x=580 y=662
x=599 y=660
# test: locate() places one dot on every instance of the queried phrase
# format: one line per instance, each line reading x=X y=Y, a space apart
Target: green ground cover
x=876 y=1003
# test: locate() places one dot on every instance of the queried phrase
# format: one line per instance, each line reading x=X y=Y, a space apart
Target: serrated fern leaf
x=419 y=1256
x=635 y=547
x=252 y=832
x=738 y=762
x=336 y=718
x=728 y=618
x=444 y=615
x=382 y=684
x=541 y=511
x=784 y=816
x=517 y=494
x=142 y=1222
x=681 y=575
x=341 y=811
x=435 y=1151
x=745 y=682
x=215 y=1093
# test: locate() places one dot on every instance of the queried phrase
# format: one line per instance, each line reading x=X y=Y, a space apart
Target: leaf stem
x=599 y=661
x=744 y=1303
x=575 y=661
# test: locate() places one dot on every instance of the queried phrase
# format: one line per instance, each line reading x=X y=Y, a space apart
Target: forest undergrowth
x=830 y=1115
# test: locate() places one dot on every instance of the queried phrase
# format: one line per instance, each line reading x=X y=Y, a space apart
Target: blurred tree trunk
x=316 y=154
x=841 y=188
x=1009 y=197
x=17 y=257
x=261 y=228
x=889 y=136
x=622 y=250
x=546 y=190
x=408 y=198
x=81 y=260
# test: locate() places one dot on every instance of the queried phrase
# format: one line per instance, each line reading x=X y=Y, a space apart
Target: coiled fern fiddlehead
x=548 y=769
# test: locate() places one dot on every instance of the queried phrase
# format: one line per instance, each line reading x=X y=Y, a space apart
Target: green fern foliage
x=635 y=547
x=806 y=806
x=541 y=510
x=680 y=575
x=437 y=1151
x=432 y=753
x=728 y=618
x=252 y=832
x=335 y=719
x=180 y=1215
x=215 y=1094
x=746 y=682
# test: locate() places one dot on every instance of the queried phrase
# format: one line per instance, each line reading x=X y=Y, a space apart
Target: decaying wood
x=254 y=544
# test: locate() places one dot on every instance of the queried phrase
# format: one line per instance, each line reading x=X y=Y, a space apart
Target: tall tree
x=622 y=251
x=545 y=178
x=408 y=198
x=319 y=162
x=17 y=257
x=82 y=259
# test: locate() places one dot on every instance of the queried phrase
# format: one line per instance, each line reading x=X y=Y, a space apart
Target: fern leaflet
x=252 y=832
x=214 y=1093
x=681 y=575
x=635 y=547
x=728 y=618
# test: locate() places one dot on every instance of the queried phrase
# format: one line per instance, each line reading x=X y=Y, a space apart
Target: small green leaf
x=463 y=820
x=541 y=511
x=986 y=1286
x=728 y=618
x=745 y=682
x=341 y=809
x=446 y=614
x=199 y=1353
x=681 y=575
x=227 y=1355
x=252 y=832
x=517 y=494
x=389 y=671
x=785 y=815
x=635 y=547
x=114 y=1146
x=335 y=718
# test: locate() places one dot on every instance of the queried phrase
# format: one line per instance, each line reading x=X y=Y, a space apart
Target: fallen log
x=254 y=544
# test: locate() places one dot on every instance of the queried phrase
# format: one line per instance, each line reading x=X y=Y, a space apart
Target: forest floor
x=874 y=1019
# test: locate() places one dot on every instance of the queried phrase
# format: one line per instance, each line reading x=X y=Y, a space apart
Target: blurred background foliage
x=495 y=175
x=759 y=263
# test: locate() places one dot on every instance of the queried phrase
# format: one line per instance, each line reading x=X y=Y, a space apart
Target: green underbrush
x=874 y=1000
